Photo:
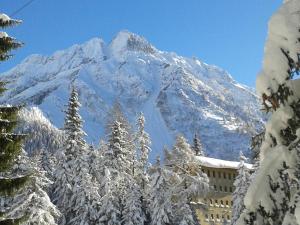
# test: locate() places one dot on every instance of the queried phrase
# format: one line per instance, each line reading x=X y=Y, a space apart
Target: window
x=215 y=187
x=221 y=202
x=228 y=217
x=210 y=200
x=203 y=170
x=230 y=189
x=214 y=175
x=229 y=176
x=212 y=216
x=206 y=216
x=216 y=201
x=208 y=173
x=221 y=189
x=226 y=202
x=219 y=174
x=225 y=188
x=217 y=216
x=224 y=175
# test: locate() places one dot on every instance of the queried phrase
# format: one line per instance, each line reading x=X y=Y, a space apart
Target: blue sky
x=227 y=33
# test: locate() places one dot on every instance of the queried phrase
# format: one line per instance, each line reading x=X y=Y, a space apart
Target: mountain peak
x=176 y=94
x=126 y=40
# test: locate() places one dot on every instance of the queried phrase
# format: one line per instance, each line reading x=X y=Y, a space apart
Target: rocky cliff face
x=176 y=94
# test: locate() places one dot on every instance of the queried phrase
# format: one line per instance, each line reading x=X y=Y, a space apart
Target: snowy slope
x=176 y=94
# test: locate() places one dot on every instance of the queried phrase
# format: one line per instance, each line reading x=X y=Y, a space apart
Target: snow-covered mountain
x=176 y=94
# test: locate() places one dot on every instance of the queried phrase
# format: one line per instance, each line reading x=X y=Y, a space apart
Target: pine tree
x=241 y=184
x=41 y=210
x=133 y=213
x=256 y=143
x=110 y=211
x=10 y=143
x=75 y=194
x=160 y=195
x=117 y=115
x=119 y=155
x=197 y=146
x=141 y=175
x=84 y=202
x=118 y=159
x=143 y=143
x=189 y=181
x=269 y=199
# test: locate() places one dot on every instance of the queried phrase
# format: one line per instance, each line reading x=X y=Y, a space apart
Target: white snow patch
x=4 y=17
x=3 y=34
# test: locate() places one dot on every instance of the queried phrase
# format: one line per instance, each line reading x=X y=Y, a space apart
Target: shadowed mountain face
x=176 y=94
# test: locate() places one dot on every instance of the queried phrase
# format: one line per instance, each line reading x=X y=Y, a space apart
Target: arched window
x=226 y=202
x=225 y=188
x=222 y=202
x=210 y=200
x=221 y=189
x=217 y=216
x=219 y=174
x=212 y=216
x=216 y=201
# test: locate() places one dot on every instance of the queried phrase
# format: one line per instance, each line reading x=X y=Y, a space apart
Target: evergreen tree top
x=75 y=142
x=7 y=43
x=6 y=21
x=197 y=145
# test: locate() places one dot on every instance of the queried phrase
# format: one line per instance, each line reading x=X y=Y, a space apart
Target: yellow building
x=216 y=207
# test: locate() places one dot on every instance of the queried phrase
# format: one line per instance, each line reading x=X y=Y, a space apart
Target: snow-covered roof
x=219 y=163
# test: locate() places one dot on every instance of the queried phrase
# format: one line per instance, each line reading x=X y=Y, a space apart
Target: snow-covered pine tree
x=160 y=195
x=37 y=202
x=11 y=182
x=189 y=181
x=134 y=212
x=119 y=156
x=117 y=115
x=241 y=184
x=269 y=199
x=61 y=193
x=75 y=193
x=197 y=146
x=110 y=210
x=94 y=161
x=256 y=142
x=7 y=43
x=143 y=143
x=141 y=165
x=85 y=200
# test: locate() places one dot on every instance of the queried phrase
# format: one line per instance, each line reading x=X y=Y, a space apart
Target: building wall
x=216 y=207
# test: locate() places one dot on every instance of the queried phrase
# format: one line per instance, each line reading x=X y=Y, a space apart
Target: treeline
x=115 y=184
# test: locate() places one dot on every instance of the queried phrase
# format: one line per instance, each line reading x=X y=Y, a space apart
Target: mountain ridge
x=177 y=94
